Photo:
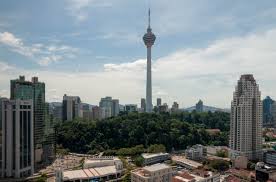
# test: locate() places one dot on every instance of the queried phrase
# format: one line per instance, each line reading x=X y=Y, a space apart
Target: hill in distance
x=207 y=109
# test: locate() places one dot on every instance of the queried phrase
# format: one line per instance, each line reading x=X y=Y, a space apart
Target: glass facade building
x=34 y=90
x=268 y=120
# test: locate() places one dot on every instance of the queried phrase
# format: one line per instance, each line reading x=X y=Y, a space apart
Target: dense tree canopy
x=129 y=130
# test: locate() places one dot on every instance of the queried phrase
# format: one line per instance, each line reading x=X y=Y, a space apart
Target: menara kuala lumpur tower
x=149 y=39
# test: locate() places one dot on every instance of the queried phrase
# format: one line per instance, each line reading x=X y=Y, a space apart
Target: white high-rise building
x=106 y=105
x=17 y=138
x=246 y=119
x=110 y=107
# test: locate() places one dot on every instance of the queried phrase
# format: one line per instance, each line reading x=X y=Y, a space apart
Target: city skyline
x=203 y=62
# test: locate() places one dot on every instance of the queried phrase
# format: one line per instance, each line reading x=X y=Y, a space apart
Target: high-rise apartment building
x=143 y=105
x=106 y=107
x=97 y=113
x=268 y=120
x=163 y=108
x=158 y=102
x=115 y=107
x=17 y=138
x=199 y=106
x=110 y=107
x=175 y=107
x=71 y=107
x=34 y=90
x=246 y=119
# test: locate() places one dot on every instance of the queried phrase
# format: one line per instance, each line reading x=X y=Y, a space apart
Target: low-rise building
x=241 y=174
x=189 y=164
x=196 y=176
x=92 y=174
x=102 y=162
x=156 y=172
x=241 y=162
x=265 y=172
x=196 y=152
x=95 y=169
x=212 y=150
x=150 y=159
x=270 y=157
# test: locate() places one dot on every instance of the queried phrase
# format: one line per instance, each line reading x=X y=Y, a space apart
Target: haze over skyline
x=94 y=48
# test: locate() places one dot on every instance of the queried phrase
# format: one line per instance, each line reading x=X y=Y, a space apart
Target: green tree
x=139 y=161
x=157 y=148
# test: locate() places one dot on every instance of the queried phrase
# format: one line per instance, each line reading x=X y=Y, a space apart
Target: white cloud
x=80 y=8
x=10 y=39
x=16 y=44
x=136 y=66
x=5 y=67
x=224 y=18
x=40 y=53
x=45 y=61
x=122 y=37
x=185 y=76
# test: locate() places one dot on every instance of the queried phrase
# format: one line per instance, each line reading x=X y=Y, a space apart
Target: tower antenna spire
x=149 y=17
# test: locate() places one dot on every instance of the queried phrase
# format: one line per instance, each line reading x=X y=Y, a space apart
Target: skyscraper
x=115 y=107
x=149 y=39
x=158 y=102
x=106 y=107
x=34 y=90
x=246 y=119
x=143 y=104
x=110 y=107
x=49 y=136
x=199 y=106
x=267 y=112
x=71 y=107
x=17 y=144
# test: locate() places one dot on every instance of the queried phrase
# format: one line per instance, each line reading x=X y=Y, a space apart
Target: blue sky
x=94 y=48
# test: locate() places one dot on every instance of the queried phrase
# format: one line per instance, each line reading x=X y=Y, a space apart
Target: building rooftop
x=196 y=175
x=147 y=171
x=90 y=173
x=101 y=159
x=156 y=167
x=149 y=155
x=186 y=161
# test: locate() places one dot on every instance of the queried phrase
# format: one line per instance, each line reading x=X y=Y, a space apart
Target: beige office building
x=17 y=138
x=246 y=119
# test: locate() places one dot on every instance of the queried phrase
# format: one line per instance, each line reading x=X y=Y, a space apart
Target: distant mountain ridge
x=207 y=109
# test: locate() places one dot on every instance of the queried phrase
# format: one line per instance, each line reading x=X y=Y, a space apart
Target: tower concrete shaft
x=149 y=85
x=149 y=39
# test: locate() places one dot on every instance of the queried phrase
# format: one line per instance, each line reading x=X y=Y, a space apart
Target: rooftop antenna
x=149 y=17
